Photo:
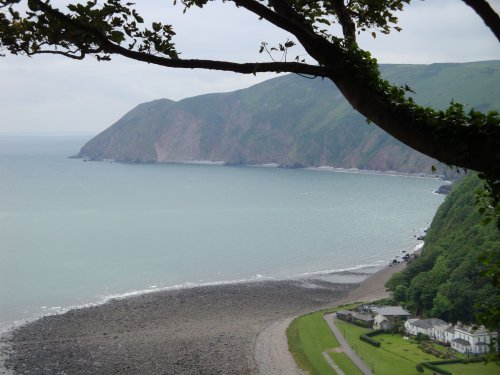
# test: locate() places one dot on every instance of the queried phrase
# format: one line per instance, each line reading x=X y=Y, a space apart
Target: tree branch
x=488 y=15
x=470 y=147
x=246 y=68
x=352 y=70
x=345 y=20
x=287 y=19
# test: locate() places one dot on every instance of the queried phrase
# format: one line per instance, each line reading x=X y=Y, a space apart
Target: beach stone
x=202 y=330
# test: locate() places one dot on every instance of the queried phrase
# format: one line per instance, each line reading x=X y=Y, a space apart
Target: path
x=333 y=364
x=271 y=351
x=329 y=318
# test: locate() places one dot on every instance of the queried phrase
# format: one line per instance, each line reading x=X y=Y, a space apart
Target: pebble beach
x=219 y=329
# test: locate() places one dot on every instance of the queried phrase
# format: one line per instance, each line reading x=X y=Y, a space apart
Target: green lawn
x=492 y=368
x=345 y=364
x=398 y=356
x=393 y=360
x=308 y=337
x=398 y=346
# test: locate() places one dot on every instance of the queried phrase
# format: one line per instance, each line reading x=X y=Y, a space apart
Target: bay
x=75 y=232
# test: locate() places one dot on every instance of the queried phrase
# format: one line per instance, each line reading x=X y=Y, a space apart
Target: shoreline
x=209 y=329
x=347 y=275
x=321 y=168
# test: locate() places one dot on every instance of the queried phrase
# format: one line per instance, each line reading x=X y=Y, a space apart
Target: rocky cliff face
x=291 y=121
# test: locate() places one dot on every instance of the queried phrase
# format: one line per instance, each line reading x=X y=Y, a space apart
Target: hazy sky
x=54 y=94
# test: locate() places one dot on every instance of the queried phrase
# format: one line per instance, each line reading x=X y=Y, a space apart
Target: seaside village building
x=464 y=339
x=374 y=317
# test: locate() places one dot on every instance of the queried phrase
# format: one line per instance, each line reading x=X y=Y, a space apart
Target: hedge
x=434 y=364
x=433 y=367
x=369 y=340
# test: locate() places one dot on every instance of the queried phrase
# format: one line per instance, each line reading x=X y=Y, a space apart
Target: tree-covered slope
x=290 y=120
x=445 y=281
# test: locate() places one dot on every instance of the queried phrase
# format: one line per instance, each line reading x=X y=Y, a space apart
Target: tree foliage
x=447 y=281
x=456 y=136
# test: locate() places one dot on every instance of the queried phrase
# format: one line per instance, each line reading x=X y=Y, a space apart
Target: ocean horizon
x=78 y=233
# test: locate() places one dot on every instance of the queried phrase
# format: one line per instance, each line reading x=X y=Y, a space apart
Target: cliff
x=291 y=121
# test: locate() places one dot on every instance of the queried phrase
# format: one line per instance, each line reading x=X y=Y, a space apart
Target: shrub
x=434 y=368
x=370 y=341
x=419 y=367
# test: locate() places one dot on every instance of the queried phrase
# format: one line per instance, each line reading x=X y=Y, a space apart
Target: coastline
x=213 y=329
x=321 y=168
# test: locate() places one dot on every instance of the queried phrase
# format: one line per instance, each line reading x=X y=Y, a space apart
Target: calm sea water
x=74 y=232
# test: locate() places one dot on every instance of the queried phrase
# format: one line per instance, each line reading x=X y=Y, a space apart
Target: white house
x=428 y=327
x=471 y=340
x=464 y=339
x=410 y=328
x=444 y=334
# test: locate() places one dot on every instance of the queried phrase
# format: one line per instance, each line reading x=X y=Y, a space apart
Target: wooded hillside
x=445 y=281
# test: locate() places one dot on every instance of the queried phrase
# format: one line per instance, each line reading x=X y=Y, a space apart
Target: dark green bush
x=370 y=341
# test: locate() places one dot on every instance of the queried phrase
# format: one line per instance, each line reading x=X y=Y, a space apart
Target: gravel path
x=271 y=351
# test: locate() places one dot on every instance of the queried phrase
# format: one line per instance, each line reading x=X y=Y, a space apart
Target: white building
x=470 y=340
x=428 y=327
x=463 y=339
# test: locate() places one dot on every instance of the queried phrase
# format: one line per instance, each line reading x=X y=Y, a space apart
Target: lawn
x=398 y=356
x=345 y=363
x=394 y=360
x=492 y=368
x=396 y=345
x=308 y=337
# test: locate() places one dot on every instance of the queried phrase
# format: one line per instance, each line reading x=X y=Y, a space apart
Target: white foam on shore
x=358 y=267
x=368 y=268
x=417 y=248
x=327 y=168
x=58 y=310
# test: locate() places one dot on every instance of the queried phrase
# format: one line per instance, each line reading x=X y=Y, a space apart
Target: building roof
x=429 y=323
x=473 y=331
x=450 y=329
x=461 y=342
x=379 y=319
x=344 y=312
x=361 y=316
x=410 y=321
x=391 y=311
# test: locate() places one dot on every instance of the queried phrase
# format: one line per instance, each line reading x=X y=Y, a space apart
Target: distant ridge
x=291 y=121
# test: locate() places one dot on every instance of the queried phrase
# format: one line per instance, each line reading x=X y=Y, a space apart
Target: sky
x=53 y=94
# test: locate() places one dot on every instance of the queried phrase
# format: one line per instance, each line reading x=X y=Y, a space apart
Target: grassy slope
x=345 y=364
x=308 y=337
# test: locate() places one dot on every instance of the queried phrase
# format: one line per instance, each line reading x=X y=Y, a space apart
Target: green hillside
x=291 y=121
x=446 y=281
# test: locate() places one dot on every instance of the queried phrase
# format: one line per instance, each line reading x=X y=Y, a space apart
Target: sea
x=75 y=232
